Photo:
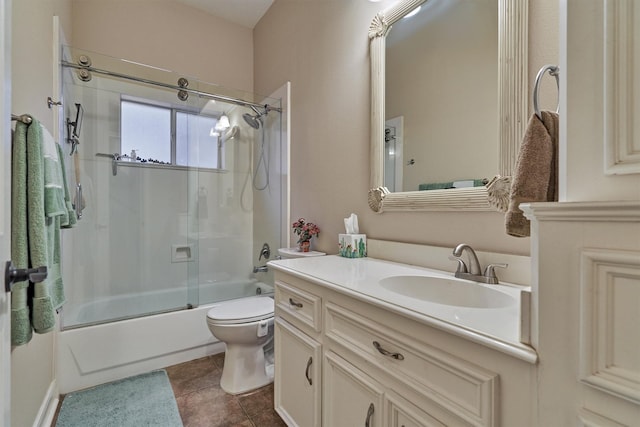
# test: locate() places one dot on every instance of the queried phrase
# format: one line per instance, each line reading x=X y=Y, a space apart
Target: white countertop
x=497 y=328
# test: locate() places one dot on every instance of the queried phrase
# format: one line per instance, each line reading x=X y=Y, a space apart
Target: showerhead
x=254 y=120
x=251 y=120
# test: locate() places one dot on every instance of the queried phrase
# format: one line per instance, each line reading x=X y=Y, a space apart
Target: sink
x=440 y=290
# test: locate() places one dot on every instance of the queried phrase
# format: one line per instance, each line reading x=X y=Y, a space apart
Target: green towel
x=70 y=219
x=20 y=319
x=54 y=204
x=38 y=209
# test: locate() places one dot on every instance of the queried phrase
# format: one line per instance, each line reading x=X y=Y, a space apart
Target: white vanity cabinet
x=298 y=378
x=372 y=367
x=350 y=397
x=298 y=373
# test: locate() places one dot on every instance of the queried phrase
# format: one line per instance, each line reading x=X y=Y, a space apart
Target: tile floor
x=202 y=403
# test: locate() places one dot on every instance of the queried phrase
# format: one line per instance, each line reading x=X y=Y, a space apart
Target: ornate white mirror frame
x=512 y=109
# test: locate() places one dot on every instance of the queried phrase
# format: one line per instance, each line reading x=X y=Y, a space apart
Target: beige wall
x=33 y=364
x=169 y=35
x=322 y=48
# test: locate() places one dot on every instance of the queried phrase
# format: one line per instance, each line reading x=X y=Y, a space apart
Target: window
x=169 y=135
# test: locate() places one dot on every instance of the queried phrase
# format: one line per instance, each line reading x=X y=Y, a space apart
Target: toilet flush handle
x=263 y=328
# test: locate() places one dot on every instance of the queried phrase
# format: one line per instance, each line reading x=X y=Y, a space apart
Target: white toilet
x=245 y=325
x=295 y=253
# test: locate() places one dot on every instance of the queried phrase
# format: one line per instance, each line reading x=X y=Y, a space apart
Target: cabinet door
x=402 y=413
x=297 y=382
x=350 y=397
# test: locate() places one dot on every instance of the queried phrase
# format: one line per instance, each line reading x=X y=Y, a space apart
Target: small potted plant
x=306 y=230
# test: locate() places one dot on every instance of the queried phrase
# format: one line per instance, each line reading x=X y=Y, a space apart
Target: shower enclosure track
x=223 y=98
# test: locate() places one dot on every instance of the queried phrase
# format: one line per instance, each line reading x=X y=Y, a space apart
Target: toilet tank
x=295 y=253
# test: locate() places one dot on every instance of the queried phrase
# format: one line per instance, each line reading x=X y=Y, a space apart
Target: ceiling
x=242 y=12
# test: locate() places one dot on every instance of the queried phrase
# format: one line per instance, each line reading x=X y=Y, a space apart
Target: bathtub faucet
x=261 y=269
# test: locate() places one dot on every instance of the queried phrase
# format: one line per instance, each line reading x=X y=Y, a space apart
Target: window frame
x=173 y=137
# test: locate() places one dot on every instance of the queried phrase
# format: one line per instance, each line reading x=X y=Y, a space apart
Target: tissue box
x=352 y=245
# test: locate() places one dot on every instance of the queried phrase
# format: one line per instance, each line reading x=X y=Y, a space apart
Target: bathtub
x=122 y=307
x=99 y=353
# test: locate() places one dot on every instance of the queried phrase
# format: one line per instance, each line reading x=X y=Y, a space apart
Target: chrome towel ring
x=553 y=70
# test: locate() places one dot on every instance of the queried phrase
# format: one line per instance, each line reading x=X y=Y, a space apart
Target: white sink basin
x=446 y=291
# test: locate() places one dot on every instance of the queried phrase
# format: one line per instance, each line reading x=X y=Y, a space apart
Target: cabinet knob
x=387 y=353
x=367 y=421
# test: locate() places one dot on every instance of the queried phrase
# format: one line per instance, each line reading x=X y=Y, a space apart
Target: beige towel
x=536 y=175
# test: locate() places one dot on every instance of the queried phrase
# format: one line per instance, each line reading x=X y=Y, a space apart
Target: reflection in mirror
x=451 y=107
x=441 y=96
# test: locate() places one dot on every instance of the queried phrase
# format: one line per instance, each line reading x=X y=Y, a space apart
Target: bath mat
x=143 y=400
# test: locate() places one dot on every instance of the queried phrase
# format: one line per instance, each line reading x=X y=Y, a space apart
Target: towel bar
x=553 y=70
x=24 y=118
x=12 y=275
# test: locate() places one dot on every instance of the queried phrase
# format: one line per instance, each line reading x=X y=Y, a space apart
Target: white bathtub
x=93 y=355
x=121 y=307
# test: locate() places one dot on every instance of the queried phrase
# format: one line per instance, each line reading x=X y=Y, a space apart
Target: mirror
x=503 y=120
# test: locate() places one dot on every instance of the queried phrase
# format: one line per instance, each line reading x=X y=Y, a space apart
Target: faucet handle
x=462 y=267
x=490 y=273
x=265 y=252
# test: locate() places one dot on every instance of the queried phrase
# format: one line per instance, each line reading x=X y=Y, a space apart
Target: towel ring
x=553 y=70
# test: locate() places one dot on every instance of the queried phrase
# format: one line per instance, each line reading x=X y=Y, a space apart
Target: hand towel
x=536 y=173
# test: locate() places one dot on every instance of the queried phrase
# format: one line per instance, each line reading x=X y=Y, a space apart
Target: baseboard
x=48 y=408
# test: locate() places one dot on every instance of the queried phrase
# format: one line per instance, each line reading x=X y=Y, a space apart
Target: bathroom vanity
x=361 y=342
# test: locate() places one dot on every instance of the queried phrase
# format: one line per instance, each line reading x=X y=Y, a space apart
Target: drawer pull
x=294 y=303
x=306 y=373
x=396 y=356
x=370 y=411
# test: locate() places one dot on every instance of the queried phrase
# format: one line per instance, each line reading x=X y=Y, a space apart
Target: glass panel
x=147 y=130
x=196 y=141
x=154 y=237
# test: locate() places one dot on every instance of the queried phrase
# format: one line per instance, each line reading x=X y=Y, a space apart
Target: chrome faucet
x=473 y=265
x=261 y=269
x=471 y=269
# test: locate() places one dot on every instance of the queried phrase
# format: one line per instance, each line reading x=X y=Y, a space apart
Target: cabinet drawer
x=301 y=305
x=459 y=387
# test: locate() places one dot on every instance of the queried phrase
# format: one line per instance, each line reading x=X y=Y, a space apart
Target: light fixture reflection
x=223 y=123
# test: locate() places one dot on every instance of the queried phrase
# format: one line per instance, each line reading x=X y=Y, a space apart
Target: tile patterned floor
x=202 y=403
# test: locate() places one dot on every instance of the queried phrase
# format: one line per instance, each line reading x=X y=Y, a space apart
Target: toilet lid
x=242 y=310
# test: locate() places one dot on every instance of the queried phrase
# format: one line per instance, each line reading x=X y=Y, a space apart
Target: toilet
x=245 y=325
x=286 y=253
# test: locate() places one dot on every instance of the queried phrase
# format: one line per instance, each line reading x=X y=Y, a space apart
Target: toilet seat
x=243 y=310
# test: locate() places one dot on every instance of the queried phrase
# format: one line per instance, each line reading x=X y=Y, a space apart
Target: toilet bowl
x=245 y=325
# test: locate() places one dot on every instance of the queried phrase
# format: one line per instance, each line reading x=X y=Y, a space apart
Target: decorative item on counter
x=306 y=230
x=352 y=244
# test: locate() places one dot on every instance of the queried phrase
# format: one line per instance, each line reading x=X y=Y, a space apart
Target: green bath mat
x=143 y=400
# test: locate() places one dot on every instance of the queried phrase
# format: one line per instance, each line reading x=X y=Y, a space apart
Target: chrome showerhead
x=255 y=121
